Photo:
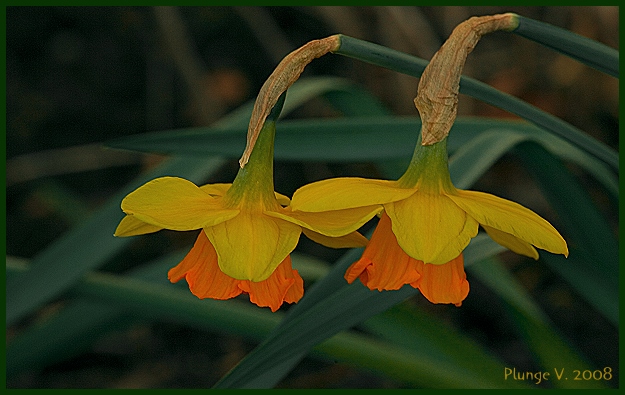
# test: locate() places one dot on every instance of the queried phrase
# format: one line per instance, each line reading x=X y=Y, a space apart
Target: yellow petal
x=348 y=192
x=251 y=245
x=216 y=189
x=511 y=218
x=430 y=227
x=459 y=243
x=330 y=223
x=282 y=199
x=511 y=242
x=176 y=204
x=221 y=189
x=131 y=226
x=352 y=240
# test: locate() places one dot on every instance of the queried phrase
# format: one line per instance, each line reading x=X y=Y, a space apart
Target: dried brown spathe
x=437 y=97
x=285 y=74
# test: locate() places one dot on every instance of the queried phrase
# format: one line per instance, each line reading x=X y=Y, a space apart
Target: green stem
x=255 y=180
x=410 y=65
x=582 y=49
x=381 y=56
x=428 y=169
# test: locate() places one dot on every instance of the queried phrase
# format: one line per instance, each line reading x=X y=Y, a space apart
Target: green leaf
x=328 y=307
x=480 y=150
x=555 y=355
x=418 y=369
x=356 y=102
x=471 y=160
x=142 y=295
x=550 y=348
x=74 y=327
x=310 y=268
x=584 y=223
x=87 y=246
x=593 y=264
x=106 y=300
x=380 y=138
x=342 y=94
x=424 y=334
x=494 y=275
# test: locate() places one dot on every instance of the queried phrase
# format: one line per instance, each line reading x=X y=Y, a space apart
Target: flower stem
x=285 y=74
x=255 y=181
x=582 y=49
x=410 y=65
x=428 y=169
x=380 y=56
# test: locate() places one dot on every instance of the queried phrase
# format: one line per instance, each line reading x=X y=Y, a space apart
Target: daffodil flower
x=247 y=230
x=426 y=224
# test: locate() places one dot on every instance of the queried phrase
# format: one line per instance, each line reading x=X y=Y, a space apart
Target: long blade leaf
x=550 y=348
x=87 y=246
x=328 y=307
x=365 y=139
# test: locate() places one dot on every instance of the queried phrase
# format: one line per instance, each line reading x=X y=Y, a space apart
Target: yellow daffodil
x=426 y=224
x=247 y=230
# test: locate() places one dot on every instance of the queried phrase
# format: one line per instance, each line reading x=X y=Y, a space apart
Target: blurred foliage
x=80 y=76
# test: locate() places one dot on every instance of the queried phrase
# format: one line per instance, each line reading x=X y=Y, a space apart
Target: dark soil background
x=78 y=76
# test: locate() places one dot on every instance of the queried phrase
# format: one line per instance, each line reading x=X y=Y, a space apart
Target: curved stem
x=410 y=65
x=284 y=75
x=582 y=49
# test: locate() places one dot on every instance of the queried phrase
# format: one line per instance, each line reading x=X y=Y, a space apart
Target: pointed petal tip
x=351 y=240
x=346 y=193
x=333 y=223
x=512 y=219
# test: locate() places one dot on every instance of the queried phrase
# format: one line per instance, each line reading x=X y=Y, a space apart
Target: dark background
x=78 y=76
